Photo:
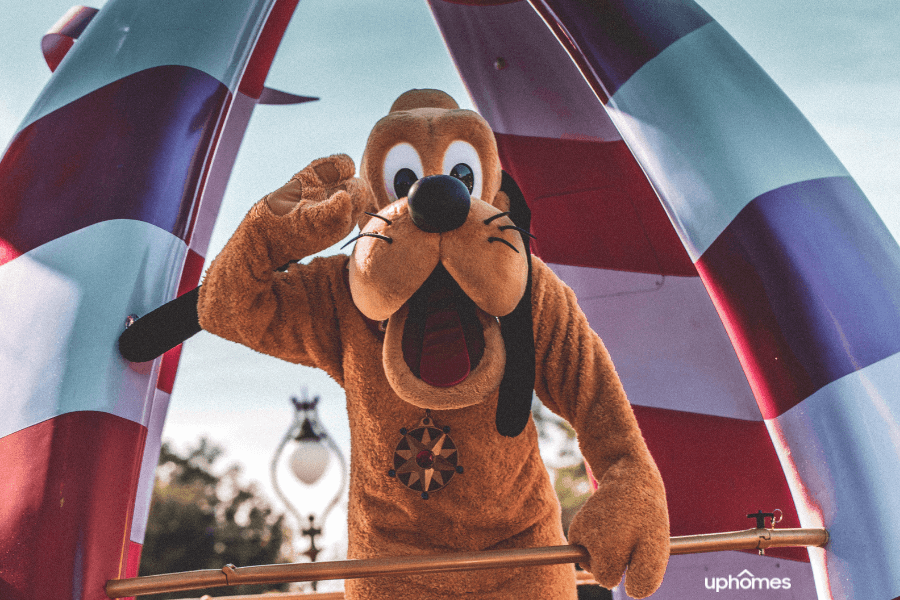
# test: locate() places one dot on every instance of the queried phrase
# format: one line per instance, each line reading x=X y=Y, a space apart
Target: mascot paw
x=324 y=197
x=624 y=531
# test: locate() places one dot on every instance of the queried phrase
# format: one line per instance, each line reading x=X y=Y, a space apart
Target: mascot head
x=444 y=265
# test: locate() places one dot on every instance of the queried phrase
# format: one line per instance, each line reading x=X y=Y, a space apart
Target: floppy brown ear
x=517 y=386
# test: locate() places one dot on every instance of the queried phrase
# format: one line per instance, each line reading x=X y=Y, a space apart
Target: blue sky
x=838 y=61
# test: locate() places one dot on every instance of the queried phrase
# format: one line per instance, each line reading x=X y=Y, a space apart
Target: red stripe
x=134 y=561
x=257 y=70
x=717 y=470
x=190 y=275
x=55 y=47
x=592 y=206
x=168 y=369
x=8 y=252
x=67 y=487
x=57 y=42
x=778 y=379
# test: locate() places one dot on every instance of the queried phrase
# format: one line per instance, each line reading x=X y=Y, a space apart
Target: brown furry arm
x=625 y=522
x=292 y=314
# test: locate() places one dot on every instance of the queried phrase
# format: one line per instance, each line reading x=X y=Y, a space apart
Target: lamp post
x=307 y=451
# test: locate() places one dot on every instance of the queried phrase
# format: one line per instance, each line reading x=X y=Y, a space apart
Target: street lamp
x=307 y=451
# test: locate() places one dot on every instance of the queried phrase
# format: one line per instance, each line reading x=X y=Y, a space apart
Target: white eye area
x=402 y=160
x=464 y=154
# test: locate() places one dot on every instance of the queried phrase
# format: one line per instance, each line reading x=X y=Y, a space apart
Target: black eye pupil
x=403 y=180
x=464 y=173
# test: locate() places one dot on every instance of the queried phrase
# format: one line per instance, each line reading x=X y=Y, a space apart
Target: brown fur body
x=314 y=314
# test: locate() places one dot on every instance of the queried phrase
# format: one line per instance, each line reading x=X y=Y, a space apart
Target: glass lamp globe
x=309 y=460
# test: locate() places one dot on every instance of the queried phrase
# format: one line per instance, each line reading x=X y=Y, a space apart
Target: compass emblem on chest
x=426 y=459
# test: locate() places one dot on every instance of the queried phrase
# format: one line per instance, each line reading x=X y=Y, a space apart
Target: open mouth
x=443 y=340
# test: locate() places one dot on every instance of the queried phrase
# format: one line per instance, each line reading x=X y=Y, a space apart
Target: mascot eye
x=403 y=180
x=401 y=168
x=464 y=173
x=461 y=160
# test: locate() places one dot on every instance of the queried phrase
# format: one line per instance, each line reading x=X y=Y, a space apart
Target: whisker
x=386 y=220
x=497 y=216
x=497 y=239
x=374 y=235
x=519 y=229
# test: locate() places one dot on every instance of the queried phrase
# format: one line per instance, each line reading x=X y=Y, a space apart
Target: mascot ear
x=517 y=386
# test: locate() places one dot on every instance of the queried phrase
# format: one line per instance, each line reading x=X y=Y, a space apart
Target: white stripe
x=148 y=466
x=63 y=306
x=129 y=36
x=220 y=170
x=840 y=450
x=666 y=340
x=713 y=131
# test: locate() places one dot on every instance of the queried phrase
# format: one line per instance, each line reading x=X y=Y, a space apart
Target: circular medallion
x=426 y=458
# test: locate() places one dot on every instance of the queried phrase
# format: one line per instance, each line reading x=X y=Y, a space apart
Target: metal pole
x=277 y=596
x=750 y=539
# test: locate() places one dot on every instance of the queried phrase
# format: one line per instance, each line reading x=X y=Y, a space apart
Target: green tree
x=203 y=520
x=559 y=449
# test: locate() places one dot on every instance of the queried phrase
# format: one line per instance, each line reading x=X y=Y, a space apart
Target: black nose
x=438 y=203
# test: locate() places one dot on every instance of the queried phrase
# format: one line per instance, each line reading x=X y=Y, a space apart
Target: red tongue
x=445 y=357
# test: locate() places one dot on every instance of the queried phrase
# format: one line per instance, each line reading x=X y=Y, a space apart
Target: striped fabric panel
x=621 y=36
x=666 y=340
x=109 y=191
x=841 y=448
x=215 y=181
x=592 y=206
x=201 y=231
x=254 y=76
x=135 y=149
x=219 y=171
x=62 y=308
x=147 y=470
x=142 y=36
x=692 y=401
x=807 y=280
x=68 y=486
x=515 y=70
x=713 y=132
x=804 y=275
x=716 y=471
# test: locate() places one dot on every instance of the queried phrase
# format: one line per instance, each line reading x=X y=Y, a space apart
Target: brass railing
x=277 y=596
x=750 y=539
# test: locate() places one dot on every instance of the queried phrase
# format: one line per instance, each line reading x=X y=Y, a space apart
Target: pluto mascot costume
x=438 y=326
